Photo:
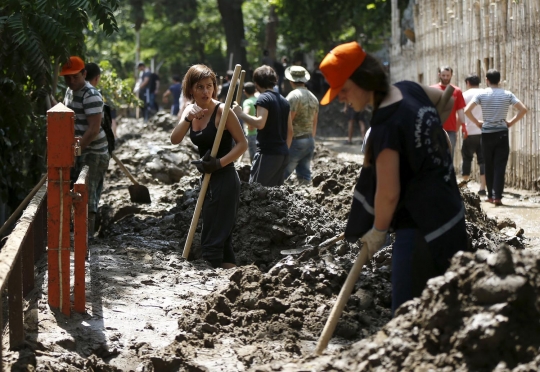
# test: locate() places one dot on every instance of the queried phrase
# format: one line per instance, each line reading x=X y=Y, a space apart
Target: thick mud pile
x=482 y=315
x=267 y=314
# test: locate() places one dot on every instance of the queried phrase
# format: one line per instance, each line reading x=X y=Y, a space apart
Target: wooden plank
x=15 y=304
x=28 y=261
x=11 y=250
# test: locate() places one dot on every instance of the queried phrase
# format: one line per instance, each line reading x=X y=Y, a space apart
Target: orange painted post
x=60 y=158
x=80 y=215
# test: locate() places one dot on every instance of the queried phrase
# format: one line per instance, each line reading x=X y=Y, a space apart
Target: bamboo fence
x=472 y=37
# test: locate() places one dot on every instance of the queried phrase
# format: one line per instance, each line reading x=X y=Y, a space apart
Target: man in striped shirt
x=87 y=103
x=495 y=102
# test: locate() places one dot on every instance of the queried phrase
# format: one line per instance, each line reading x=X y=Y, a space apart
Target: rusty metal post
x=80 y=214
x=15 y=305
x=60 y=158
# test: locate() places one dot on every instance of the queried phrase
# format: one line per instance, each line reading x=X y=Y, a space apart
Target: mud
x=151 y=310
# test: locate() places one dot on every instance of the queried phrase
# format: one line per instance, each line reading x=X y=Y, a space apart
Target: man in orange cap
x=87 y=103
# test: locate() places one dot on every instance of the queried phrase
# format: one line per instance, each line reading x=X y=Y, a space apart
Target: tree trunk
x=233 y=22
x=271 y=32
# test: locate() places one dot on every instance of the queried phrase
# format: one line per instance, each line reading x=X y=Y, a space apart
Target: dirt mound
x=482 y=315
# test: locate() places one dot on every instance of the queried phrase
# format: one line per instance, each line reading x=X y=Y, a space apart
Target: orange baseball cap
x=73 y=66
x=339 y=65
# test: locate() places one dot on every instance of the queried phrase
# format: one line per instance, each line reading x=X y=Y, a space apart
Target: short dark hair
x=141 y=64
x=265 y=77
x=445 y=68
x=249 y=87
x=176 y=78
x=473 y=80
x=195 y=74
x=493 y=76
x=92 y=70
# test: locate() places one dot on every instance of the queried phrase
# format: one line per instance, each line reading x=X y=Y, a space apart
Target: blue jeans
x=300 y=155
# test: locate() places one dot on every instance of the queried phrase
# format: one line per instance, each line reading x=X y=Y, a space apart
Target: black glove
x=207 y=164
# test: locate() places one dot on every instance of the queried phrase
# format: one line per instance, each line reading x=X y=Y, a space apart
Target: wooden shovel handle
x=341 y=301
x=240 y=87
x=123 y=167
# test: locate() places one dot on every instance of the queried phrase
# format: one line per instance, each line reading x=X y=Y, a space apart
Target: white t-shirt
x=468 y=95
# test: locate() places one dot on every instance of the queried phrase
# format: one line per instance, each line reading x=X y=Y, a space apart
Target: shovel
x=137 y=192
x=327 y=243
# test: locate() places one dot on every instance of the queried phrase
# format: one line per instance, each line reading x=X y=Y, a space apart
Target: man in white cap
x=304 y=113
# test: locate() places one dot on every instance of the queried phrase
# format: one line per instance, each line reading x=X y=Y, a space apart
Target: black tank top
x=204 y=139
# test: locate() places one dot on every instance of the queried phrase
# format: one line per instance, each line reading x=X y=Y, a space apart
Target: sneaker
x=489 y=200
x=497 y=202
x=482 y=192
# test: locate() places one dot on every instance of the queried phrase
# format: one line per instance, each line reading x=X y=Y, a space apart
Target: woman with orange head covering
x=407 y=184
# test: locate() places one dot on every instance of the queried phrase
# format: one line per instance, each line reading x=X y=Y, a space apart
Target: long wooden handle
x=123 y=167
x=206 y=180
x=240 y=87
x=333 y=240
x=341 y=301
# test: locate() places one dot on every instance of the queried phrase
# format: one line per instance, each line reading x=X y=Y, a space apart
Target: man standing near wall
x=472 y=141
x=450 y=125
x=495 y=103
x=304 y=114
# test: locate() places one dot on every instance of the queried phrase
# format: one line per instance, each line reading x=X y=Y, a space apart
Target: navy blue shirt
x=272 y=139
x=176 y=89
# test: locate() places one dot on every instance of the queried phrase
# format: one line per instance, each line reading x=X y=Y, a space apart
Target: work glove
x=207 y=164
x=373 y=240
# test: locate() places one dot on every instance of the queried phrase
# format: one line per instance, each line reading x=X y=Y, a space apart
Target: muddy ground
x=148 y=309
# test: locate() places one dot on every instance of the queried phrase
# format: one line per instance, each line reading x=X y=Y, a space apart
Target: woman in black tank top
x=220 y=207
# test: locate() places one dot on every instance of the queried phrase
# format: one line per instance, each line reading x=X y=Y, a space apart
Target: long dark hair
x=372 y=76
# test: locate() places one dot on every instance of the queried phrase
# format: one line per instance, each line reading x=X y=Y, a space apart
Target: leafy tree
x=37 y=36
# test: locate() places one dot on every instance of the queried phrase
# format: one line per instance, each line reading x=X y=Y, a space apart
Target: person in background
x=175 y=90
x=495 y=102
x=450 y=125
x=225 y=86
x=407 y=182
x=248 y=107
x=360 y=118
x=274 y=130
x=304 y=114
x=87 y=103
x=472 y=138
x=93 y=76
x=201 y=118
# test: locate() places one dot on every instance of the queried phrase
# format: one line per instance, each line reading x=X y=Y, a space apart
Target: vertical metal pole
x=60 y=158
x=80 y=207
x=16 y=322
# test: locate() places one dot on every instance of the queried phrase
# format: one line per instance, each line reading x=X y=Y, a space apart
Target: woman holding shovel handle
x=407 y=183
x=201 y=117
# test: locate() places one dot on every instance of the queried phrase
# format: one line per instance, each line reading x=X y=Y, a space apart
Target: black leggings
x=219 y=217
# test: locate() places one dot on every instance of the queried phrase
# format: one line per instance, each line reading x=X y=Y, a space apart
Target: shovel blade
x=139 y=194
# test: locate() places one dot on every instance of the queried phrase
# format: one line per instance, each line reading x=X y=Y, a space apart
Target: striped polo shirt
x=495 y=103
x=85 y=102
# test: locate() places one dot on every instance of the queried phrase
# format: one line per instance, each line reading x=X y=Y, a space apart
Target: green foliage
x=36 y=36
x=114 y=90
